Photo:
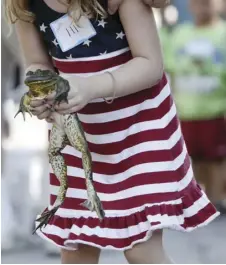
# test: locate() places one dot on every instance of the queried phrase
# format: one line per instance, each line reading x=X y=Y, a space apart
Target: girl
x=142 y=171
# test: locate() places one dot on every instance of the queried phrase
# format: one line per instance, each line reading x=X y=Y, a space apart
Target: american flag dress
x=142 y=171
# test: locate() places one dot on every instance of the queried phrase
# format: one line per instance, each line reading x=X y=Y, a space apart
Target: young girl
x=142 y=171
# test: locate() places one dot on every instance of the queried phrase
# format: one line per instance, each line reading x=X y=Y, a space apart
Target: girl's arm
x=35 y=57
x=113 y=5
x=143 y=71
x=34 y=53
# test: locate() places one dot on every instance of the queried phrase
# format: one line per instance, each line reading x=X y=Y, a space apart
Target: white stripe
x=126 y=232
x=135 y=128
x=135 y=170
x=93 y=58
x=131 y=151
x=71 y=213
x=127 y=193
x=68 y=75
x=128 y=111
x=199 y=204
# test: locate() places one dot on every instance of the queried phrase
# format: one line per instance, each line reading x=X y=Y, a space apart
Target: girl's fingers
x=50 y=97
x=37 y=103
x=44 y=115
x=65 y=106
x=49 y=119
x=39 y=110
x=113 y=6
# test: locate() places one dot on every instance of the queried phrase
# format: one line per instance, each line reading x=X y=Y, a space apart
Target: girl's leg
x=84 y=255
x=211 y=175
x=201 y=173
x=217 y=170
x=149 y=252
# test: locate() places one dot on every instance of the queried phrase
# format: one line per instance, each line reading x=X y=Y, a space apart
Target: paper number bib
x=70 y=34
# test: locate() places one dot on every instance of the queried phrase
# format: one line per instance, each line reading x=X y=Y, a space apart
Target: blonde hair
x=19 y=9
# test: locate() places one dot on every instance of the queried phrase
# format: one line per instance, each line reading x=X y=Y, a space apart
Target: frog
x=68 y=131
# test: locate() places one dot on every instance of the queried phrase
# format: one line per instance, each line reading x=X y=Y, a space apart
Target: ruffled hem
x=68 y=243
x=191 y=211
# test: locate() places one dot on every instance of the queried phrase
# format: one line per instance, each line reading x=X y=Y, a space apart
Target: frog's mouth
x=31 y=80
x=40 y=87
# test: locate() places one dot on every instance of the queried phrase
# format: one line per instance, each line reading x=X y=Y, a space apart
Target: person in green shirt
x=195 y=58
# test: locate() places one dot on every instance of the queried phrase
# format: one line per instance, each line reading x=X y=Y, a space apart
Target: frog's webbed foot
x=62 y=90
x=24 y=106
x=93 y=203
x=45 y=218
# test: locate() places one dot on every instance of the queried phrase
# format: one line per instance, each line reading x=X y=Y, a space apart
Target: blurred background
x=193 y=37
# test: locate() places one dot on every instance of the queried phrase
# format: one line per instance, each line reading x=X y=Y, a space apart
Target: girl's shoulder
x=109 y=33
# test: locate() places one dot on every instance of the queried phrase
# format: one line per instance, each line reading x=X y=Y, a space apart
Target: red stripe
x=138 y=201
x=103 y=242
x=133 y=181
x=135 y=139
x=138 y=159
x=127 y=101
x=125 y=123
x=116 y=222
x=123 y=204
x=79 y=67
x=203 y=215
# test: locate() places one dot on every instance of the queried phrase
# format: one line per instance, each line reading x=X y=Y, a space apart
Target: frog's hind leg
x=77 y=139
x=58 y=140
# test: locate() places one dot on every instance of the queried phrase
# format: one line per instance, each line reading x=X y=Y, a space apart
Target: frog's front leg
x=58 y=140
x=62 y=89
x=24 y=105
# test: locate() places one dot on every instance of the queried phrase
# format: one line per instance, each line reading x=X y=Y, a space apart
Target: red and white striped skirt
x=141 y=169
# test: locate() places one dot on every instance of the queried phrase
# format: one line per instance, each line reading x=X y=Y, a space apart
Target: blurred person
x=224 y=9
x=141 y=166
x=196 y=61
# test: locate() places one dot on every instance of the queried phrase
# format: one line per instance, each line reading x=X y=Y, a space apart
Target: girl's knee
x=84 y=253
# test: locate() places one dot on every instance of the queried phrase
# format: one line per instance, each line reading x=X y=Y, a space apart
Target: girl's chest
x=102 y=36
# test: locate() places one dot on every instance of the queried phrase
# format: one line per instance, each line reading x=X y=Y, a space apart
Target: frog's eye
x=29 y=73
x=38 y=72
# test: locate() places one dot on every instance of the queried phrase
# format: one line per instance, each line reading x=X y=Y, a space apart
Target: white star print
x=43 y=27
x=102 y=23
x=103 y=53
x=55 y=42
x=69 y=57
x=87 y=42
x=120 y=35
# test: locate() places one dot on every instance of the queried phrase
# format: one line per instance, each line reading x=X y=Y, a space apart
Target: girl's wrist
x=98 y=86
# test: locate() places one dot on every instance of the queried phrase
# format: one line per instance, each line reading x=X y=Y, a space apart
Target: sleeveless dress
x=141 y=168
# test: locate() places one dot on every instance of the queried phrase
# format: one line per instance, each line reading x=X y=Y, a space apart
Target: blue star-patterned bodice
x=110 y=35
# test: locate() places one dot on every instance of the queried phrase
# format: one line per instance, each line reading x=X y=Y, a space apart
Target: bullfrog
x=68 y=130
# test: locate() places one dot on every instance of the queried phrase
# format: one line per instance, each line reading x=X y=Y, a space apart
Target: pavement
x=203 y=246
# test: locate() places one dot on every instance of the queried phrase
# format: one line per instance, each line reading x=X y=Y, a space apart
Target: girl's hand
x=78 y=97
x=41 y=110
